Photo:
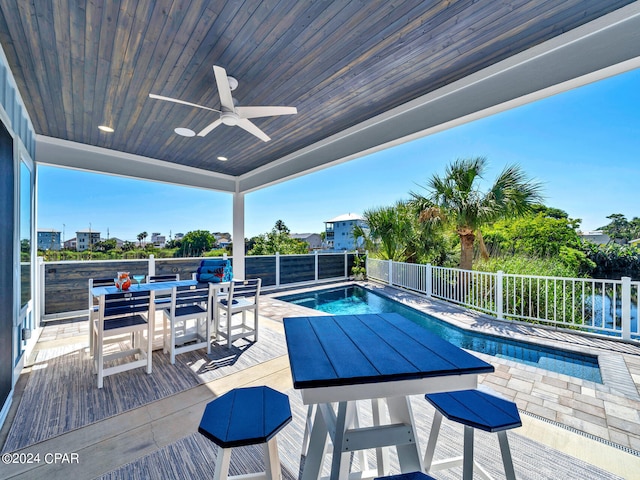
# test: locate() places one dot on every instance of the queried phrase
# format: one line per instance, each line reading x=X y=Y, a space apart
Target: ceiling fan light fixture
x=229 y=118
x=185 y=132
x=105 y=128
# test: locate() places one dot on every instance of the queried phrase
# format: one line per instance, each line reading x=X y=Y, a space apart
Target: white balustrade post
x=366 y=263
x=40 y=293
x=390 y=271
x=346 y=264
x=316 y=264
x=152 y=264
x=626 y=308
x=499 y=305
x=429 y=280
x=277 y=269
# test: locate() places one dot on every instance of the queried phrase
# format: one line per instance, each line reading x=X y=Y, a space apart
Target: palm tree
x=389 y=231
x=456 y=199
x=141 y=236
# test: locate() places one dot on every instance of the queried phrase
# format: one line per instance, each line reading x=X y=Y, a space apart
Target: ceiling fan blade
x=226 y=100
x=206 y=130
x=181 y=102
x=251 y=128
x=257 y=112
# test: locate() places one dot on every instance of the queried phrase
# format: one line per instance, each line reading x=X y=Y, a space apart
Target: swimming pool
x=354 y=300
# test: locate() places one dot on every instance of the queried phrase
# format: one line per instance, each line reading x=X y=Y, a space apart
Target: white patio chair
x=94 y=305
x=243 y=296
x=123 y=313
x=187 y=322
x=163 y=300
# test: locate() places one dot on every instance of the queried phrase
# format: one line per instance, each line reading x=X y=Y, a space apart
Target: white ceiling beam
x=63 y=153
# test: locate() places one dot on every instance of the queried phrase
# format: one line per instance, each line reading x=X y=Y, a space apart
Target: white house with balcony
x=49 y=239
x=339 y=232
x=86 y=239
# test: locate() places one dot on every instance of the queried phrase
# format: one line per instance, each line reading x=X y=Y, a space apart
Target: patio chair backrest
x=174 y=277
x=246 y=288
x=190 y=294
x=125 y=303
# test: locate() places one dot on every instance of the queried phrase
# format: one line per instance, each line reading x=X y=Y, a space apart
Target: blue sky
x=583 y=145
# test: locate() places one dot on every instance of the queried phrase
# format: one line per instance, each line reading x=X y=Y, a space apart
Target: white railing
x=607 y=307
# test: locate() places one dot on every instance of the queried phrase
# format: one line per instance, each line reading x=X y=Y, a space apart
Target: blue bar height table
x=342 y=359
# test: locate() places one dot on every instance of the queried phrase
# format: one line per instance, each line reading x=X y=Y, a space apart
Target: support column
x=238 y=236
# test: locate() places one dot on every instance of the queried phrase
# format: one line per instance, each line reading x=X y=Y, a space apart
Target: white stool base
x=271 y=463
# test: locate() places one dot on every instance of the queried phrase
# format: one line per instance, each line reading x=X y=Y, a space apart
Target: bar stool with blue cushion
x=242 y=417
x=94 y=305
x=473 y=409
x=243 y=296
x=187 y=320
x=163 y=300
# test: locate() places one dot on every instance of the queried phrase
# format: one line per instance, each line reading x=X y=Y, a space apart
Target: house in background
x=597 y=236
x=314 y=240
x=49 y=239
x=158 y=240
x=70 y=244
x=339 y=232
x=223 y=239
x=86 y=239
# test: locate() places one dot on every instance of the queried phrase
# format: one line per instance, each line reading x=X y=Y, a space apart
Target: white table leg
x=467 y=460
x=340 y=460
x=317 y=448
x=408 y=454
x=382 y=454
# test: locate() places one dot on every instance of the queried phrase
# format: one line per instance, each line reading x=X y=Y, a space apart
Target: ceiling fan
x=230 y=113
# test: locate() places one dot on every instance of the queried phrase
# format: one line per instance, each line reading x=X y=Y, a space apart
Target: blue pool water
x=354 y=300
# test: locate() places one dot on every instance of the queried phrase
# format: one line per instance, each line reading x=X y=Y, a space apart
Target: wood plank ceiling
x=82 y=64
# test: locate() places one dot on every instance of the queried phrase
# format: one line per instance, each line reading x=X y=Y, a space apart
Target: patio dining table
x=155 y=288
x=337 y=360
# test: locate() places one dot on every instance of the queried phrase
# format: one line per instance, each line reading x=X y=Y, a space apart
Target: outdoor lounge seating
x=119 y=314
x=243 y=296
x=187 y=321
x=473 y=409
x=246 y=416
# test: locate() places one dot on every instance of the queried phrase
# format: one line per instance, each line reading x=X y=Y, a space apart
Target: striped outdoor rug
x=194 y=457
x=61 y=393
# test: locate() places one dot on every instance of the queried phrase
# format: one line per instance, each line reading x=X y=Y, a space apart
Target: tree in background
x=278 y=240
x=195 y=244
x=545 y=233
x=456 y=200
x=127 y=246
x=394 y=233
x=105 y=245
x=619 y=228
x=141 y=236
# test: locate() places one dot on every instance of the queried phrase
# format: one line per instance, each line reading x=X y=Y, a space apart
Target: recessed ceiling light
x=185 y=132
x=222 y=159
x=104 y=128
